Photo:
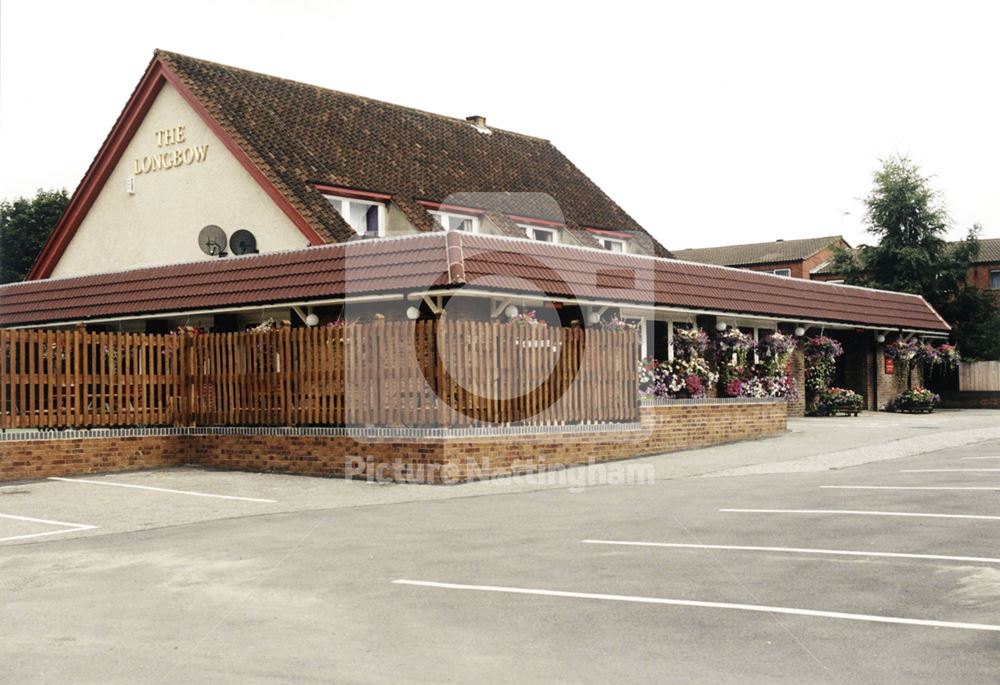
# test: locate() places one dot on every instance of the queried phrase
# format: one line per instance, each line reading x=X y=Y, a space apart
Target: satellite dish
x=212 y=241
x=243 y=242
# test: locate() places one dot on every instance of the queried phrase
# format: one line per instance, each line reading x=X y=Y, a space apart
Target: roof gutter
x=221 y=310
x=467 y=292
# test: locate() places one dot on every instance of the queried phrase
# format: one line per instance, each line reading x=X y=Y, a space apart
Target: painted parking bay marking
x=949 y=470
x=910 y=487
x=815 y=613
x=67 y=527
x=168 y=490
x=850 y=512
x=797 y=550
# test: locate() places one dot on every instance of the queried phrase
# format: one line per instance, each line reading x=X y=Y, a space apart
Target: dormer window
x=612 y=245
x=452 y=221
x=542 y=235
x=367 y=218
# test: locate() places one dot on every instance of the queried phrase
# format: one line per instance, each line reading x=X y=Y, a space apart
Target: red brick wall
x=797 y=407
x=795 y=267
x=29 y=459
x=663 y=428
x=801 y=268
x=979 y=275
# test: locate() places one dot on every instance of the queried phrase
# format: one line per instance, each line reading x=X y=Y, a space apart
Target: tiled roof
x=989 y=253
x=759 y=253
x=300 y=134
x=438 y=259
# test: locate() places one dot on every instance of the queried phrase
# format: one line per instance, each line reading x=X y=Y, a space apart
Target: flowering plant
x=664 y=380
x=616 y=324
x=690 y=342
x=734 y=341
x=833 y=400
x=188 y=330
x=528 y=318
x=821 y=355
x=268 y=324
x=648 y=367
x=915 y=400
x=774 y=351
x=901 y=350
x=949 y=356
x=733 y=352
x=928 y=354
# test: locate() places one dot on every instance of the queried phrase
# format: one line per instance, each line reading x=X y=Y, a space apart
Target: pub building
x=222 y=198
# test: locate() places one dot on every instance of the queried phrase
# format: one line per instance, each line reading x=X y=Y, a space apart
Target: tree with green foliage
x=909 y=218
x=25 y=225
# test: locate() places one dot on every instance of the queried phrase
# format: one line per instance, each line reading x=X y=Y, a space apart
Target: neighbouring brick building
x=223 y=197
x=793 y=258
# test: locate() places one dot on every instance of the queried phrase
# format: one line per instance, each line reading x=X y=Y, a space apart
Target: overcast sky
x=710 y=123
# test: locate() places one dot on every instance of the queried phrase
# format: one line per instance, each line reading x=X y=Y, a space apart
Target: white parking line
x=70 y=527
x=909 y=487
x=148 y=487
x=949 y=470
x=703 y=604
x=848 y=512
x=798 y=550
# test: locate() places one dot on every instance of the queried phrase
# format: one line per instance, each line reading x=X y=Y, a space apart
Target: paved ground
x=297 y=579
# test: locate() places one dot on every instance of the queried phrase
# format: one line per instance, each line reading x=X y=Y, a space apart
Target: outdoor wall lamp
x=312 y=320
x=721 y=326
x=510 y=311
x=880 y=338
x=800 y=331
x=412 y=313
x=594 y=318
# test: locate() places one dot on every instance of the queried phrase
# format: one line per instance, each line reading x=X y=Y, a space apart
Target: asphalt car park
x=888 y=571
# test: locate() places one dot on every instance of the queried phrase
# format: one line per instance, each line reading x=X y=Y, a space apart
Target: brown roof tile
x=300 y=134
x=441 y=259
x=759 y=253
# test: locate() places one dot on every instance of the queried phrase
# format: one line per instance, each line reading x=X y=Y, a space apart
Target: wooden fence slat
x=479 y=373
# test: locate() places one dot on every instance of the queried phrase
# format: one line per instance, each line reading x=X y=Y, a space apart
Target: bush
x=917 y=400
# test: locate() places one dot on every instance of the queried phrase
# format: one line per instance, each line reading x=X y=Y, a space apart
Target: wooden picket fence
x=399 y=373
x=979 y=377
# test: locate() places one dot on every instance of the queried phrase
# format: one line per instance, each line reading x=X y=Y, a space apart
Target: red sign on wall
x=890 y=366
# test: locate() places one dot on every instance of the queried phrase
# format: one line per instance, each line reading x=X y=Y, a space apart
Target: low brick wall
x=421 y=456
x=970 y=400
x=82 y=452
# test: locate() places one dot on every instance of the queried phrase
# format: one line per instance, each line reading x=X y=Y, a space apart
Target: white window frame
x=784 y=273
x=443 y=217
x=532 y=231
x=994 y=273
x=343 y=206
x=607 y=242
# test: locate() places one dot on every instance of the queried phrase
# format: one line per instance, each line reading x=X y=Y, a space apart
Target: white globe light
x=595 y=318
x=312 y=320
x=721 y=326
x=800 y=331
x=510 y=311
x=880 y=338
x=412 y=313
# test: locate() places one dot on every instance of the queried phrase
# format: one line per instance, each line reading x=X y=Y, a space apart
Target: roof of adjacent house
x=774 y=252
x=302 y=134
x=441 y=260
x=989 y=253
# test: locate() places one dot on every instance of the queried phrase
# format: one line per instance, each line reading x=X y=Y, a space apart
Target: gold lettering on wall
x=170 y=159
